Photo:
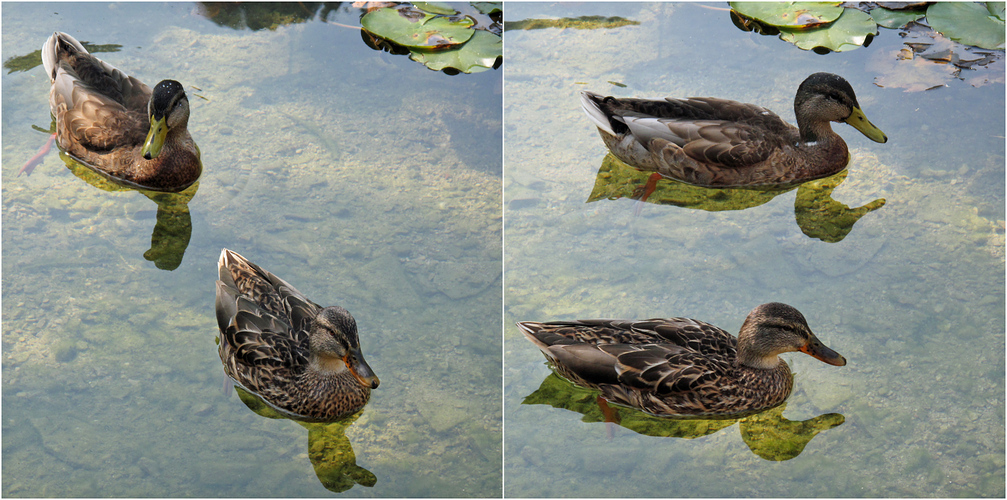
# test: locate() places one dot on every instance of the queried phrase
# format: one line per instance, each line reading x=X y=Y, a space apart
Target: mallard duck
x=115 y=124
x=301 y=358
x=681 y=366
x=713 y=142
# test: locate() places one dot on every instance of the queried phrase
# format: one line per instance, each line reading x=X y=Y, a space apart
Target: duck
x=116 y=124
x=682 y=367
x=302 y=359
x=719 y=143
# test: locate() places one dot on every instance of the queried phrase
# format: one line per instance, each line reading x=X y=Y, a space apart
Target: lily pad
x=436 y=8
x=488 y=7
x=969 y=23
x=996 y=9
x=480 y=53
x=794 y=15
x=896 y=18
x=417 y=29
x=846 y=33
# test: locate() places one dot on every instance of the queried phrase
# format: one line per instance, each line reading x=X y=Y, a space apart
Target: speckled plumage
x=103 y=117
x=681 y=366
x=714 y=142
x=299 y=357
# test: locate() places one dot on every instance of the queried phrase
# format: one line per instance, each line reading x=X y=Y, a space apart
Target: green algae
x=581 y=22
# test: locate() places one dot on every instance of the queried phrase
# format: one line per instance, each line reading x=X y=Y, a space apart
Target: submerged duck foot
x=34 y=161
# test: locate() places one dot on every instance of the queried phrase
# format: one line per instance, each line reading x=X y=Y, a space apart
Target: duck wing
x=709 y=130
x=665 y=369
x=99 y=106
x=664 y=356
x=267 y=290
x=254 y=336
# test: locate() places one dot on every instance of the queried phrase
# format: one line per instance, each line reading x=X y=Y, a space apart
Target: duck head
x=169 y=112
x=334 y=345
x=775 y=328
x=823 y=98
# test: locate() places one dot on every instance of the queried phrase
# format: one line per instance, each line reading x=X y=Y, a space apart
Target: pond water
x=912 y=293
x=361 y=177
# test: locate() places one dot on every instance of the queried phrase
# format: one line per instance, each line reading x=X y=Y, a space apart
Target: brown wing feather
x=714 y=131
x=256 y=329
x=662 y=355
x=104 y=107
x=710 y=130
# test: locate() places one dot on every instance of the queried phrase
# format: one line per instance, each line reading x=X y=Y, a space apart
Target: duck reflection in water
x=816 y=212
x=329 y=449
x=768 y=433
x=173 y=227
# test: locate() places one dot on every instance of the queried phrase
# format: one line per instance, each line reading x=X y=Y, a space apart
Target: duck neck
x=746 y=360
x=817 y=131
x=751 y=356
x=326 y=366
x=826 y=151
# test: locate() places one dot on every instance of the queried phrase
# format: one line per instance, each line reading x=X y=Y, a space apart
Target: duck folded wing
x=98 y=122
x=715 y=142
x=660 y=368
x=587 y=362
x=695 y=335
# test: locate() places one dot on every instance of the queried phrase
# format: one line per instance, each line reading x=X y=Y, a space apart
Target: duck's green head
x=333 y=337
x=168 y=110
x=775 y=328
x=827 y=97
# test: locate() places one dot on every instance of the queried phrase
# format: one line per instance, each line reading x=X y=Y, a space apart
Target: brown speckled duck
x=719 y=143
x=115 y=123
x=680 y=366
x=302 y=359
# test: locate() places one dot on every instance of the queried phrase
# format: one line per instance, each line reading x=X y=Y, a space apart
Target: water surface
x=912 y=294
x=363 y=178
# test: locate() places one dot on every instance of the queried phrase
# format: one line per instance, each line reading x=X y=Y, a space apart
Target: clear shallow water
x=912 y=295
x=364 y=179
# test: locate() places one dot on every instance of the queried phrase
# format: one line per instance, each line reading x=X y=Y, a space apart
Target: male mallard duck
x=681 y=366
x=713 y=142
x=299 y=357
x=103 y=117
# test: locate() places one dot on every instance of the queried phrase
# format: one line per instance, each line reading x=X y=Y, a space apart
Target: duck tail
x=50 y=51
x=589 y=103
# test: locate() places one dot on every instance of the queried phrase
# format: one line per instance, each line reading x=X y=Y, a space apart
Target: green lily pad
x=488 y=7
x=996 y=9
x=417 y=29
x=846 y=33
x=969 y=23
x=480 y=53
x=436 y=8
x=794 y=15
x=896 y=18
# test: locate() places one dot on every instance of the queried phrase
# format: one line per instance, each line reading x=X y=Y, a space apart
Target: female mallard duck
x=115 y=124
x=682 y=366
x=301 y=358
x=713 y=142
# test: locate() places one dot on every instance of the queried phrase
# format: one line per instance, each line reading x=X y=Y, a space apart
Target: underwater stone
x=65 y=350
